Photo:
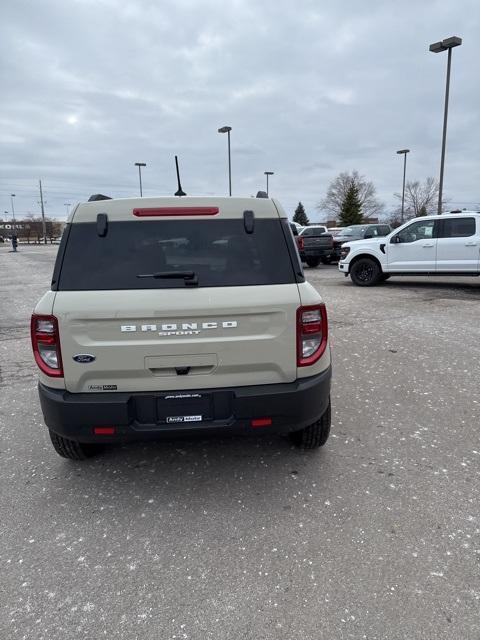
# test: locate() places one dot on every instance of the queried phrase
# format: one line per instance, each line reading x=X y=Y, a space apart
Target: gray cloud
x=310 y=89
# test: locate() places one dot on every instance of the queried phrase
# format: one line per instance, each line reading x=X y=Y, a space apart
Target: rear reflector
x=175 y=211
x=104 y=431
x=261 y=422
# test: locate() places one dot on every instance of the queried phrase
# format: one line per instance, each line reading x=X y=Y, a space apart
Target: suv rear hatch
x=175 y=296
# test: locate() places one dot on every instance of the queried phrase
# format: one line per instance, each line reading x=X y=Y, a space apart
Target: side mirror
x=395 y=239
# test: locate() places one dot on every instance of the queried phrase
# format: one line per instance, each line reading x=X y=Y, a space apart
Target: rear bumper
x=290 y=406
x=316 y=252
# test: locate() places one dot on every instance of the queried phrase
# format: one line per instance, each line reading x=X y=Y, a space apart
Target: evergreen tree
x=423 y=211
x=351 y=211
x=300 y=216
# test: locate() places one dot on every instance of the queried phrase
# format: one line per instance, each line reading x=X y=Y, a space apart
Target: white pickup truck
x=431 y=245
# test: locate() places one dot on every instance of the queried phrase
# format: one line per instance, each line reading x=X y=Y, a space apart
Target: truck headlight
x=344 y=251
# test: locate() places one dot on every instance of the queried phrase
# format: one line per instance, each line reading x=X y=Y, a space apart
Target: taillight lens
x=301 y=244
x=46 y=345
x=312 y=334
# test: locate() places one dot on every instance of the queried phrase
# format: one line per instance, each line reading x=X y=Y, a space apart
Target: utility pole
x=44 y=227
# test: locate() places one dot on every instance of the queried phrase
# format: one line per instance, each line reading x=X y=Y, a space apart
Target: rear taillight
x=300 y=243
x=312 y=334
x=46 y=345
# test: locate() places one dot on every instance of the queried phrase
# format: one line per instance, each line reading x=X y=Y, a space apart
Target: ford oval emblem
x=84 y=358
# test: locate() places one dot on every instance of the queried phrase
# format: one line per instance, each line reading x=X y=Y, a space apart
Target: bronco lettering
x=174 y=328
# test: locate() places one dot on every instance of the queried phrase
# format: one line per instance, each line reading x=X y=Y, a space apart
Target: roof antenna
x=179 y=192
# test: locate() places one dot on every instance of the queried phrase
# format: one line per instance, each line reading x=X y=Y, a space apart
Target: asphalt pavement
x=376 y=536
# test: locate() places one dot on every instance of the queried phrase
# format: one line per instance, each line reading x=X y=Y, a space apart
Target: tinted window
x=458 y=227
x=313 y=231
x=383 y=230
x=220 y=253
x=422 y=230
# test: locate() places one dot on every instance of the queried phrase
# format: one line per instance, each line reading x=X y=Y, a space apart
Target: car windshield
x=313 y=231
x=352 y=231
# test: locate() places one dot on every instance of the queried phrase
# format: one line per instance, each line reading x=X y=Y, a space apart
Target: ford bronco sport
x=177 y=315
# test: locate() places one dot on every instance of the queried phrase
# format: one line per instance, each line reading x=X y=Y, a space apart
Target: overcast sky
x=310 y=88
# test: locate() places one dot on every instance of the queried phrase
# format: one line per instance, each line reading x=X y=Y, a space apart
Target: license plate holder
x=184 y=408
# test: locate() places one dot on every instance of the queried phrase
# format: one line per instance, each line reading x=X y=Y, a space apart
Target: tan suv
x=178 y=315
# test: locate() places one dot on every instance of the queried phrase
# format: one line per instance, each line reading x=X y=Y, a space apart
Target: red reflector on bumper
x=261 y=422
x=104 y=431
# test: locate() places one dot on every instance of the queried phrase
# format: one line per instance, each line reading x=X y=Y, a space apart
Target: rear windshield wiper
x=190 y=277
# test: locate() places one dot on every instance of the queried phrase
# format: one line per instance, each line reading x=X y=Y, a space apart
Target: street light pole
x=227 y=131
x=268 y=173
x=44 y=227
x=438 y=47
x=404 y=152
x=140 y=165
x=12 y=196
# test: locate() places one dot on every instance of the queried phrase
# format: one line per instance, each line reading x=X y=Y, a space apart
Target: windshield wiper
x=189 y=277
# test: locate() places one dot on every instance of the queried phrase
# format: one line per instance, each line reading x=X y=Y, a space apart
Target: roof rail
x=98 y=196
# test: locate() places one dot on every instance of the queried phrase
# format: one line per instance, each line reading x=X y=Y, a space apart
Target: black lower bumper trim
x=290 y=406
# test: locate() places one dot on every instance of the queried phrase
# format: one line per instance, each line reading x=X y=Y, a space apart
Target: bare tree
x=421 y=198
x=340 y=186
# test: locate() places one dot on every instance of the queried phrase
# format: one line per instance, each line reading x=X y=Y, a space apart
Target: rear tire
x=72 y=449
x=366 y=272
x=316 y=434
x=313 y=262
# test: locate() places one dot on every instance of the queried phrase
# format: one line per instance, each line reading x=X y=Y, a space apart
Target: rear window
x=458 y=228
x=353 y=231
x=219 y=252
x=313 y=231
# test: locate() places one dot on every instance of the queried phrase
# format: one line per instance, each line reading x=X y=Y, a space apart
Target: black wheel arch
x=362 y=256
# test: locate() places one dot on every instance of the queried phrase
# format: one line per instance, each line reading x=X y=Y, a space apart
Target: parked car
x=317 y=245
x=297 y=237
x=358 y=232
x=431 y=245
x=317 y=227
x=170 y=315
x=299 y=227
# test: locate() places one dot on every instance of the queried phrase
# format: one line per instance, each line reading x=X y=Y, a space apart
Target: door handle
x=470 y=244
x=429 y=244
